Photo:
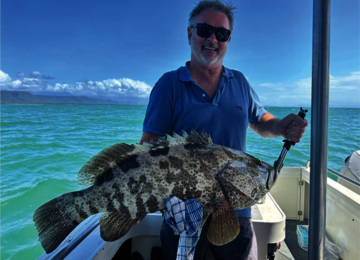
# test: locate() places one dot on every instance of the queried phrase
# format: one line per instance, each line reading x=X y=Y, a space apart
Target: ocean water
x=44 y=146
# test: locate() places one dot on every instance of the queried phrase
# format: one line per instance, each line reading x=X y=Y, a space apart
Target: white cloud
x=344 y=91
x=16 y=83
x=4 y=78
x=110 y=88
x=349 y=82
x=33 y=75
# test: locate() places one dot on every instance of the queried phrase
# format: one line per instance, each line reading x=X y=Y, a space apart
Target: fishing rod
x=279 y=163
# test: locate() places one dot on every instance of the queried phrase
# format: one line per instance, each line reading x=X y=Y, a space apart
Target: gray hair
x=216 y=5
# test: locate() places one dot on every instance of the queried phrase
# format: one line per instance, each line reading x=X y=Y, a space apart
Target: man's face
x=208 y=52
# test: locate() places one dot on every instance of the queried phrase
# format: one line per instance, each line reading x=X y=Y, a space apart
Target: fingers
x=297 y=119
x=296 y=130
x=292 y=127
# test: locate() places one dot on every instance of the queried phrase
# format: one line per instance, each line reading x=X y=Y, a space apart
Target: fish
x=126 y=182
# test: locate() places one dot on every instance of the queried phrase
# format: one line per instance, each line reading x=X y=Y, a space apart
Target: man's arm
x=290 y=127
x=146 y=137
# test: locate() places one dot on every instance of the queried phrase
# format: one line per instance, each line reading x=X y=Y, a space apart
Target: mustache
x=210 y=45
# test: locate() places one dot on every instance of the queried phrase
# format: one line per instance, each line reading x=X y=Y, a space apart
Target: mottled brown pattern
x=242 y=200
x=94 y=168
x=118 y=196
x=158 y=178
x=146 y=187
x=253 y=165
x=195 y=146
x=127 y=163
x=152 y=204
x=178 y=191
x=141 y=210
x=171 y=177
x=175 y=162
x=159 y=151
x=207 y=160
x=161 y=189
x=230 y=155
x=93 y=209
x=133 y=185
x=132 y=181
x=80 y=211
x=163 y=165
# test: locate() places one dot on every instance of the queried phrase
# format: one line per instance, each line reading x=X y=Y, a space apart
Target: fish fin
x=54 y=221
x=102 y=164
x=224 y=225
x=206 y=137
x=114 y=226
x=184 y=134
x=186 y=138
x=195 y=137
x=175 y=135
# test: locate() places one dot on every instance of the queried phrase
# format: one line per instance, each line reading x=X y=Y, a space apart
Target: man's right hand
x=146 y=137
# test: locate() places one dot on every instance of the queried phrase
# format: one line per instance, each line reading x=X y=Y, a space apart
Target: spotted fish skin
x=130 y=181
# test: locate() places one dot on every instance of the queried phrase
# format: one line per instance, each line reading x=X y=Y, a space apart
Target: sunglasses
x=205 y=30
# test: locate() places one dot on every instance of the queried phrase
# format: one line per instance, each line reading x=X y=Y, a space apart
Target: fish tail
x=55 y=220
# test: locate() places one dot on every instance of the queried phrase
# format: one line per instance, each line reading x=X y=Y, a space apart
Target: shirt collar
x=184 y=74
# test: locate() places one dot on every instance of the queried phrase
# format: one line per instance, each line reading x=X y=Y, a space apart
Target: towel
x=186 y=220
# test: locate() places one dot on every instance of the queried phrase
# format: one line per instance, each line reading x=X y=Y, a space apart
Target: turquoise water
x=44 y=146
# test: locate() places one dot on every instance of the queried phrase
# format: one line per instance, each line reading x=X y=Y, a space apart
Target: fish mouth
x=270 y=171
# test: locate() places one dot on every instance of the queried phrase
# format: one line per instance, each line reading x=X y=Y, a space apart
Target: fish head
x=246 y=179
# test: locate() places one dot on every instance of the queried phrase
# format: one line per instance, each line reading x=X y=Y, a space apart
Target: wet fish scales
x=130 y=181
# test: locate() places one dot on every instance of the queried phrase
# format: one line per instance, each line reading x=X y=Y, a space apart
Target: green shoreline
x=100 y=104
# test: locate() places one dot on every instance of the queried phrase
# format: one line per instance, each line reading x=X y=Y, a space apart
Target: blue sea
x=44 y=146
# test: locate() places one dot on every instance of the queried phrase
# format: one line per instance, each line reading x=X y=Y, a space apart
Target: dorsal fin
x=102 y=162
x=194 y=137
x=100 y=167
x=206 y=137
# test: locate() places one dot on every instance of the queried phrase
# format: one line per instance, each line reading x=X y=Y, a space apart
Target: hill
x=16 y=97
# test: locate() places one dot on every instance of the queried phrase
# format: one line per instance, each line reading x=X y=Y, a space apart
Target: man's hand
x=292 y=127
x=146 y=137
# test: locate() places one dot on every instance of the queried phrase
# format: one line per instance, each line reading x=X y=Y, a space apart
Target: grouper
x=130 y=181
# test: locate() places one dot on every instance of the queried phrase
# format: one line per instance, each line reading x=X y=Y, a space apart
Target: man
x=206 y=95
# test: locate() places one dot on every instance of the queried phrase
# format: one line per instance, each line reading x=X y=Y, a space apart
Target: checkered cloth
x=186 y=220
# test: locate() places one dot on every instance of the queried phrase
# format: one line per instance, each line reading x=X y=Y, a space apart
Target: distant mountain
x=15 y=97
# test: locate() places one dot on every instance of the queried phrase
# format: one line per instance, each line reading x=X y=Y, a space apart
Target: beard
x=208 y=53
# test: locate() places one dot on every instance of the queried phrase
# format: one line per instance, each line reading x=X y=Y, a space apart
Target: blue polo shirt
x=177 y=103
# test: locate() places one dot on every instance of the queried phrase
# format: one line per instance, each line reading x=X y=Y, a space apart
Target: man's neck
x=205 y=73
x=207 y=78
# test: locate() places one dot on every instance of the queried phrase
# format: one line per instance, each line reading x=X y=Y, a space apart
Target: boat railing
x=356 y=183
x=344 y=177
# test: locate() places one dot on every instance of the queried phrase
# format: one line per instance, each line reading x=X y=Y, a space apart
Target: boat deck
x=291 y=239
x=291 y=242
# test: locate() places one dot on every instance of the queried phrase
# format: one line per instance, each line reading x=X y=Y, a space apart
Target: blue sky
x=117 y=49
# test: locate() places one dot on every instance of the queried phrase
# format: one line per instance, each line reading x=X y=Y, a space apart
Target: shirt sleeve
x=256 y=109
x=159 y=111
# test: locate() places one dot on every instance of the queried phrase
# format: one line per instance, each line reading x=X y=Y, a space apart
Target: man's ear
x=229 y=39
x=189 y=31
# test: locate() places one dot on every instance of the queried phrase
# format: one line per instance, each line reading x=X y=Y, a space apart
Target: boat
x=275 y=219
x=351 y=172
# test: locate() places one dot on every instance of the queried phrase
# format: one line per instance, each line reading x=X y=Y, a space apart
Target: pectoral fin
x=224 y=226
x=114 y=226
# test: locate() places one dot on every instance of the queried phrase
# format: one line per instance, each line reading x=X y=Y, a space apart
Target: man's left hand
x=292 y=127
